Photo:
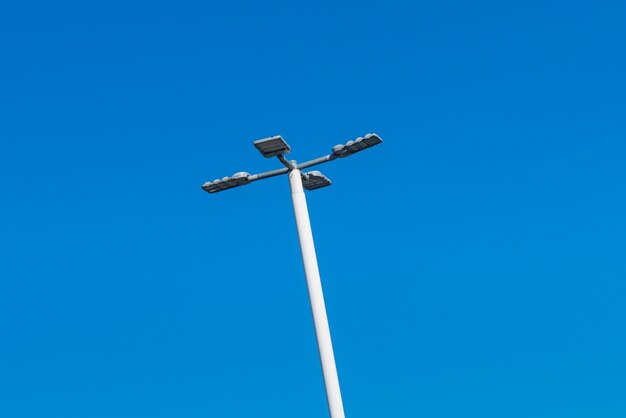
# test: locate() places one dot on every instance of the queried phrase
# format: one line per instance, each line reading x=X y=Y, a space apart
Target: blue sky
x=473 y=265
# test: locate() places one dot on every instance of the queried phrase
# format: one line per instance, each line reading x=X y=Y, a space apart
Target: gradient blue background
x=474 y=264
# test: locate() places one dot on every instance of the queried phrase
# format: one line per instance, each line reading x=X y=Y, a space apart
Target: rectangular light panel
x=238 y=179
x=315 y=180
x=359 y=144
x=273 y=146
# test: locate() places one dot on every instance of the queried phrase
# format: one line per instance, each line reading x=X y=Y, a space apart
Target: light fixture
x=359 y=144
x=217 y=185
x=272 y=146
x=314 y=180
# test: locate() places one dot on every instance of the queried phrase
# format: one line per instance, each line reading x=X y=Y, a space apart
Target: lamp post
x=277 y=147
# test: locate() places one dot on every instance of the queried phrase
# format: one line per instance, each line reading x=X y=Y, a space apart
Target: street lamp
x=276 y=146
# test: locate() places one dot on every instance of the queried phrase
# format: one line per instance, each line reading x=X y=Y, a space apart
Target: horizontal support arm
x=268 y=174
x=243 y=178
x=317 y=161
x=285 y=169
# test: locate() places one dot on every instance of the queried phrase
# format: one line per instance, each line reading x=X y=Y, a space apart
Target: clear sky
x=474 y=264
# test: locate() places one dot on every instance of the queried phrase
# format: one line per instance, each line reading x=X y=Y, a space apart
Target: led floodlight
x=238 y=179
x=272 y=146
x=315 y=180
x=352 y=147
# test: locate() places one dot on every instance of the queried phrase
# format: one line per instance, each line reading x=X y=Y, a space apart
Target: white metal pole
x=314 y=284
